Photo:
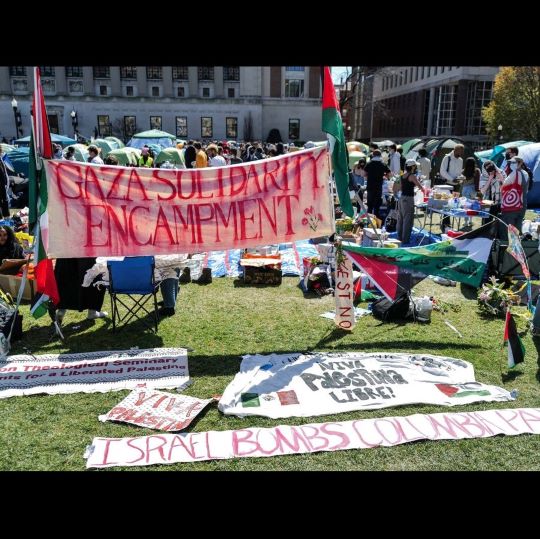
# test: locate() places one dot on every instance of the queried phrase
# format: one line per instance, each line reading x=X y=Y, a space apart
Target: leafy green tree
x=515 y=104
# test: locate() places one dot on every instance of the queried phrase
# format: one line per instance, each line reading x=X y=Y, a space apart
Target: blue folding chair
x=133 y=276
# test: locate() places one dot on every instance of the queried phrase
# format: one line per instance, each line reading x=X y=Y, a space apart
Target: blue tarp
x=60 y=139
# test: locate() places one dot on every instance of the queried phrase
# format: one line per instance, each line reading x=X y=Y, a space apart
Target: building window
x=436 y=70
x=231 y=127
x=294 y=88
x=155 y=122
x=75 y=86
x=128 y=72
x=230 y=92
x=49 y=86
x=180 y=73
x=74 y=71
x=181 y=126
x=231 y=73
x=102 y=72
x=416 y=74
x=294 y=129
x=444 y=110
x=428 y=71
x=206 y=127
x=154 y=72
x=19 y=85
x=294 y=68
x=181 y=91
x=46 y=71
x=130 y=126
x=104 y=126
x=205 y=73
x=479 y=94
x=102 y=89
x=129 y=91
x=442 y=70
x=406 y=75
x=401 y=78
x=206 y=92
x=155 y=91
x=17 y=71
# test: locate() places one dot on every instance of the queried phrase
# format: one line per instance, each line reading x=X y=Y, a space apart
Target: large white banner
x=288 y=439
x=296 y=385
x=156 y=410
x=93 y=372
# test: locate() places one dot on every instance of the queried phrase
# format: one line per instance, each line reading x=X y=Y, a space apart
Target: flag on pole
x=333 y=127
x=516 y=350
x=40 y=147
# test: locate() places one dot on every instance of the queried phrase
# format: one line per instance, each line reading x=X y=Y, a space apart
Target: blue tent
x=19 y=159
x=497 y=155
x=530 y=153
x=59 y=139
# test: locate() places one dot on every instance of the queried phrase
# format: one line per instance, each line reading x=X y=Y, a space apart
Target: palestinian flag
x=395 y=271
x=516 y=350
x=332 y=125
x=40 y=147
x=40 y=306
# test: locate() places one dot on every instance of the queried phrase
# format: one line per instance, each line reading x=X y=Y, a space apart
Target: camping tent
x=497 y=155
x=355 y=146
x=173 y=155
x=118 y=143
x=354 y=157
x=105 y=146
x=409 y=144
x=154 y=136
x=59 y=139
x=126 y=156
x=81 y=152
x=19 y=159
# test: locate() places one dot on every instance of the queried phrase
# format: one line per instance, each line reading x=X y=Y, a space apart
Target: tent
x=6 y=148
x=497 y=155
x=81 y=152
x=384 y=143
x=154 y=136
x=19 y=159
x=174 y=155
x=105 y=146
x=354 y=157
x=59 y=139
x=355 y=146
x=117 y=141
x=126 y=156
x=409 y=144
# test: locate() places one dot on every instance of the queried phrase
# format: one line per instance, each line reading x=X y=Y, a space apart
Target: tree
x=515 y=104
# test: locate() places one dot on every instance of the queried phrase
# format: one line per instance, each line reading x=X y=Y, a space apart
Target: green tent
x=154 y=133
x=81 y=152
x=354 y=157
x=106 y=146
x=173 y=155
x=126 y=156
x=117 y=141
x=408 y=145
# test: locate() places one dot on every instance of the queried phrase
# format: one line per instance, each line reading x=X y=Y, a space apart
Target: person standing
x=424 y=164
x=512 y=197
x=471 y=183
x=406 y=202
x=4 y=186
x=145 y=160
x=201 y=160
x=491 y=182
x=190 y=155
x=375 y=170
x=215 y=159
x=93 y=155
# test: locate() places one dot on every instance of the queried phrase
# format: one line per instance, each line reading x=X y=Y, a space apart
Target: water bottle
x=383 y=233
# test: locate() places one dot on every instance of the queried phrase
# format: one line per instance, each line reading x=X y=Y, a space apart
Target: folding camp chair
x=133 y=276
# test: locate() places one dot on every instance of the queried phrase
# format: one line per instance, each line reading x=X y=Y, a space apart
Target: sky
x=337 y=71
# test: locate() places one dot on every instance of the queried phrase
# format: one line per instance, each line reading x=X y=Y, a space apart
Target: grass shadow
x=240 y=283
x=468 y=292
x=401 y=344
x=536 y=342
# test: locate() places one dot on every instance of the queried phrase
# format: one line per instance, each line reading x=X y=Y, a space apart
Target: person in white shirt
x=93 y=155
x=424 y=164
x=452 y=164
x=215 y=160
x=394 y=163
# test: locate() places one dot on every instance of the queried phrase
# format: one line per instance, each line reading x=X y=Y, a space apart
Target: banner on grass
x=156 y=410
x=98 y=210
x=310 y=438
x=93 y=372
x=296 y=385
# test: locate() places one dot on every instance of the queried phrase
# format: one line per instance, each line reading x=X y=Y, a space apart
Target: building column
x=141 y=81
x=88 y=80
x=461 y=108
x=116 y=86
x=275 y=81
x=61 y=83
x=193 y=76
x=430 y=111
x=218 y=81
x=167 y=81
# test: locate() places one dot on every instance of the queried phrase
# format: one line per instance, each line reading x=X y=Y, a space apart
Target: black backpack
x=391 y=311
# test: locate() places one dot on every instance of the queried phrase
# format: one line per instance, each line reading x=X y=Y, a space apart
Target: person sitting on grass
x=11 y=252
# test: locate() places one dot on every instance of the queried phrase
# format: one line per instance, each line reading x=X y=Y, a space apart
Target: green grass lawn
x=221 y=322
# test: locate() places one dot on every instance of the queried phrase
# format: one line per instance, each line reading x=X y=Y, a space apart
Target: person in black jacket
x=4 y=184
x=10 y=249
x=190 y=155
x=376 y=171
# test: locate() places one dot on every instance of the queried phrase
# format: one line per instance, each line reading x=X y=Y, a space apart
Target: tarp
x=60 y=139
x=100 y=210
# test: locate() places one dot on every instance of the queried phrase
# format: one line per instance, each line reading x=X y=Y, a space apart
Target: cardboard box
x=11 y=283
x=262 y=275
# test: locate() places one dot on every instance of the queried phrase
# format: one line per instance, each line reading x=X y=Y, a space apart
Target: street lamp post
x=74 y=123
x=500 y=129
x=18 y=119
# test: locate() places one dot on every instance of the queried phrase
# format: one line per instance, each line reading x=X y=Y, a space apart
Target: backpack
x=391 y=221
x=391 y=311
